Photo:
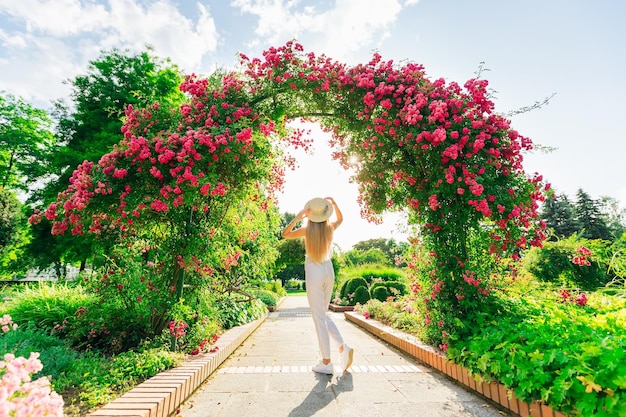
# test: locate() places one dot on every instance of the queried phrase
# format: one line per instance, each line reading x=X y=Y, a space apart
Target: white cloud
x=48 y=41
x=347 y=27
x=56 y=17
x=162 y=26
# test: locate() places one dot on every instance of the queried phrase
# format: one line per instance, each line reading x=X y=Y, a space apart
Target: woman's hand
x=304 y=213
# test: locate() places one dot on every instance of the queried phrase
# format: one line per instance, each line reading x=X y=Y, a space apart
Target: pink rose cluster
x=6 y=323
x=20 y=396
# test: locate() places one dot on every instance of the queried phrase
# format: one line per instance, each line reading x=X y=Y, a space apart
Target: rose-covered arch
x=434 y=149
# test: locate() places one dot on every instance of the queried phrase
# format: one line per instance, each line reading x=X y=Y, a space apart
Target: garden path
x=270 y=375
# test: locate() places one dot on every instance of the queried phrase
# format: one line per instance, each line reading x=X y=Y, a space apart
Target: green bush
x=350 y=286
x=361 y=295
x=100 y=379
x=85 y=321
x=276 y=287
x=46 y=305
x=380 y=293
x=269 y=298
x=545 y=348
x=555 y=262
x=235 y=312
x=396 y=288
x=294 y=284
x=371 y=273
x=107 y=326
x=393 y=288
x=55 y=354
x=198 y=326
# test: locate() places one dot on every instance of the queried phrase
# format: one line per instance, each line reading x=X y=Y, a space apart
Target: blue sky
x=531 y=50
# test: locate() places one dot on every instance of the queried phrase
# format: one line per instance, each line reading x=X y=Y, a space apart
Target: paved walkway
x=270 y=375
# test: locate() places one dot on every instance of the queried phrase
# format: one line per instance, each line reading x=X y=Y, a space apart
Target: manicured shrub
x=361 y=295
x=396 y=288
x=269 y=298
x=380 y=293
x=350 y=286
x=393 y=288
x=293 y=284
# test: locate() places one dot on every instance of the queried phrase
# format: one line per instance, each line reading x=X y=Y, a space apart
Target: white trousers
x=320 y=278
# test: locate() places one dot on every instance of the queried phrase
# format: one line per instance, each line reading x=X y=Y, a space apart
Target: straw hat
x=320 y=210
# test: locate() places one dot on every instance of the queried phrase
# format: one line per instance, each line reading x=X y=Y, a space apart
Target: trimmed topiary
x=269 y=298
x=380 y=293
x=351 y=285
x=361 y=295
x=396 y=288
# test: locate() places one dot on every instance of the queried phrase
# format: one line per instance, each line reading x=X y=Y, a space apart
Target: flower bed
x=430 y=356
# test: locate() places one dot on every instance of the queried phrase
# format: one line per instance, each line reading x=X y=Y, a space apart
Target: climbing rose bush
x=433 y=149
x=161 y=201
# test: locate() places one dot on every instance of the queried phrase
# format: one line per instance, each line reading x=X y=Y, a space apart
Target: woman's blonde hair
x=318 y=241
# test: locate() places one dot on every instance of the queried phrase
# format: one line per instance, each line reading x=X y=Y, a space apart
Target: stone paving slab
x=270 y=375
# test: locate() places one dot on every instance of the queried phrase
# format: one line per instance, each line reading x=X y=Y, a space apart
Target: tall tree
x=25 y=142
x=10 y=215
x=13 y=235
x=389 y=247
x=559 y=214
x=290 y=261
x=615 y=216
x=590 y=218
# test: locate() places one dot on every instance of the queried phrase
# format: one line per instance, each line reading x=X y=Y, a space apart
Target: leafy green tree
x=290 y=261
x=559 y=214
x=391 y=249
x=356 y=257
x=26 y=141
x=615 y=216
x=13 y=234
x=590 y=218
x=10 y=215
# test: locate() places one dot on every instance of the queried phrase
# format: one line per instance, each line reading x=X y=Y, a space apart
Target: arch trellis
x=434 y=149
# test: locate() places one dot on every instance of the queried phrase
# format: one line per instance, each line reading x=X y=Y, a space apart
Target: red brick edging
x=340 y=309
x=162 y=394
x=430 y=356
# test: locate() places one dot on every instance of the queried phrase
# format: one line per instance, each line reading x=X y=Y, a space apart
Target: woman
x=320 y=275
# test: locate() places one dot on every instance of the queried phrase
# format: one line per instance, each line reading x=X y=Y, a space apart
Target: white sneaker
x=322 y=368
x=347 y=356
